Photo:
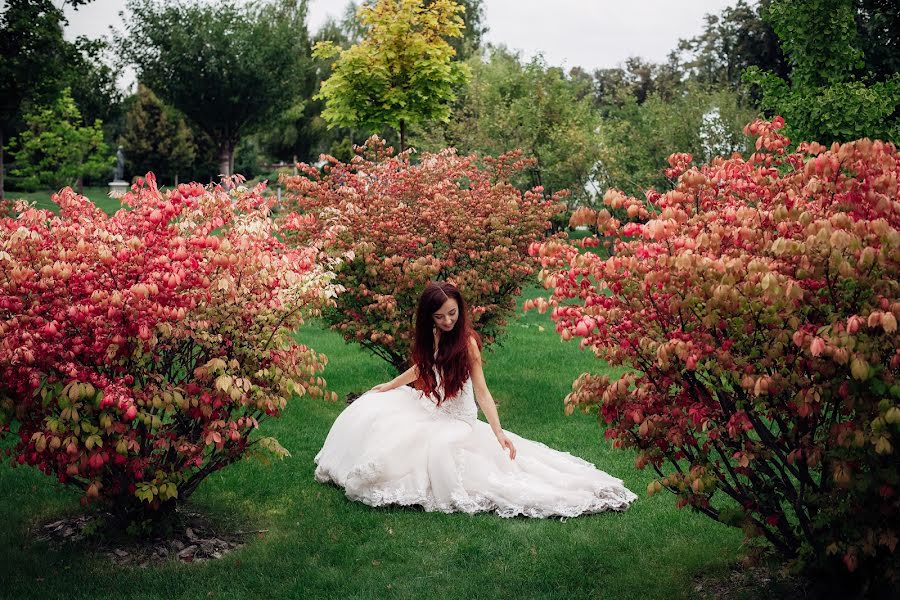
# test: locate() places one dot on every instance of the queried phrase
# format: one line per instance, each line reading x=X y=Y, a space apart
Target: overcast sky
x=586 y=33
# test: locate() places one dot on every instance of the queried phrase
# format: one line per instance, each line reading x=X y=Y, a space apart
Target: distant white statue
x=118 y=187
x=120 y=164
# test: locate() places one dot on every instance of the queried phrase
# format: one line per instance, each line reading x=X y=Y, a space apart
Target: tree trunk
x=226 y=158
x=402 y=135
x=80 y=185
x=2 y=140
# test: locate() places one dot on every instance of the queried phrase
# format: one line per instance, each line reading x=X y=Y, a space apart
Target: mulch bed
x=754 y=581
x=193 y=539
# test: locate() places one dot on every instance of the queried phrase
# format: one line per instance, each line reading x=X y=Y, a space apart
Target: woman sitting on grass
x=425 y=445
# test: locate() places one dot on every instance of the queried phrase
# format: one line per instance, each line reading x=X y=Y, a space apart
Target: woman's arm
x=484 y=398
x=404 y=378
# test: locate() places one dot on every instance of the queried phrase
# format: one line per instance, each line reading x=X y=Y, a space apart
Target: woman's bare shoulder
x=475 y=346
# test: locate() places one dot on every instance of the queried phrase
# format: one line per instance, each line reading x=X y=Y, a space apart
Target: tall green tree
x=474 y=28
x=156 y=138
x=287 y=133
x=351 y=27
x=401 y=73
x=829 y=95
x=878 y=22
x=731 y=42
x=636 y=138
x=511 y=105
x=316 y=136
x=92 y=79
x=33 y=61
x=56 y=150
x=230 y=68
x=638 y=79
x=466 y=44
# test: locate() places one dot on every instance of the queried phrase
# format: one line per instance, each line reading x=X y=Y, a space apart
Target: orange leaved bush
x=140 y=351
x=398 y=225
x=758 y=301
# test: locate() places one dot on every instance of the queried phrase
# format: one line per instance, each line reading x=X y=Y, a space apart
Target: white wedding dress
x=399 y=447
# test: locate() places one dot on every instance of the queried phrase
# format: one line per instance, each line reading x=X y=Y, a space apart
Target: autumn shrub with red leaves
x=758 y=302
x=139 y=352
x=398 y=225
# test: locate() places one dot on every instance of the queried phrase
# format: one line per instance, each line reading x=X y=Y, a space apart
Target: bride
x=425 y=445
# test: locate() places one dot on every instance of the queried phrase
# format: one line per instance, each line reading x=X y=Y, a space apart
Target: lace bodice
x=461 y=406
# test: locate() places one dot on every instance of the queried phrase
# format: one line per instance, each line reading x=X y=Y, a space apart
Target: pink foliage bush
x=398 y=225
x=139 y=352
x=757 y=302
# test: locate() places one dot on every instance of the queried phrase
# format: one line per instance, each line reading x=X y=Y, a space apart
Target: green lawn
x=98 y=195
x=320 y=545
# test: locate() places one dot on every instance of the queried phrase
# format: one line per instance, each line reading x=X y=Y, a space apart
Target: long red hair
x=452 y=355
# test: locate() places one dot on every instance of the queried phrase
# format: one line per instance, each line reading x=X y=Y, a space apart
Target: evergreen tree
x=156 y=138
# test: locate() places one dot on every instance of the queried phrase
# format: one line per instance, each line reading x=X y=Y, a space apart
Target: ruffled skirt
x=397 y=447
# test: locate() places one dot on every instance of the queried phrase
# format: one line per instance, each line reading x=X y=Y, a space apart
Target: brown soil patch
x=748 y=582
x=191 y=538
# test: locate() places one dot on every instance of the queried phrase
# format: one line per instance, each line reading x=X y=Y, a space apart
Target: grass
x=321 y=545
x=97 y=195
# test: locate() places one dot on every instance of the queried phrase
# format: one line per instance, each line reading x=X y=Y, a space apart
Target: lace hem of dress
x=604 y=499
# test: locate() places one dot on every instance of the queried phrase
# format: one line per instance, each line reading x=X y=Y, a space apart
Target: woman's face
x=445 y=317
